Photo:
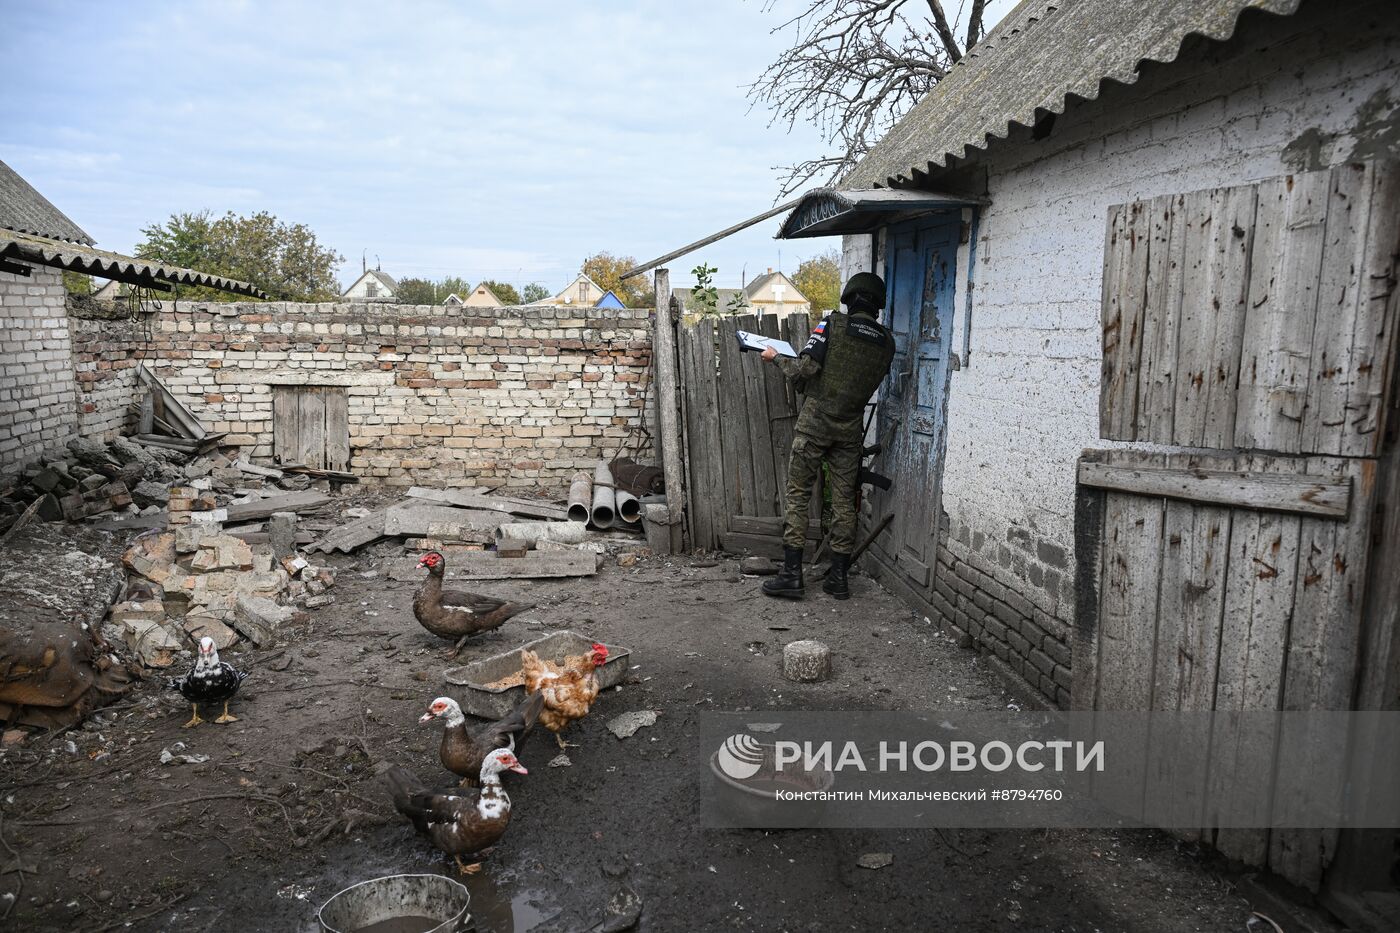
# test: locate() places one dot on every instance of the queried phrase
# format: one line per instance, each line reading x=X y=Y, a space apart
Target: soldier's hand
x=769 y=354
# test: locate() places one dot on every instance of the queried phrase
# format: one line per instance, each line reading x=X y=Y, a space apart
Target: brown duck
x=459 y=824
x=453 y=614
x=462 y=751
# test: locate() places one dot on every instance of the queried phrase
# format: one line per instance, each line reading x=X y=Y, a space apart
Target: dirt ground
x=286 y=810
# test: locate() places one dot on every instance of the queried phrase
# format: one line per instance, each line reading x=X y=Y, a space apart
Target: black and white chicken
x=211 y=681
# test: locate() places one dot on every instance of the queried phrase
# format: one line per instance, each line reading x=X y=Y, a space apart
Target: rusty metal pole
x=664 y=371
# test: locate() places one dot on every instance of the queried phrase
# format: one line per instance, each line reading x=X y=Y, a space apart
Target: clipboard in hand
x=758 y=343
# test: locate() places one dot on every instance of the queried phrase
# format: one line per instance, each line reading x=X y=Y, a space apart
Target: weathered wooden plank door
x=1259 y=321
x=921 y=265
x=738 y=416
x=311 y=426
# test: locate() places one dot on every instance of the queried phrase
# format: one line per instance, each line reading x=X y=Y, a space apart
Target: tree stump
x=806 y=661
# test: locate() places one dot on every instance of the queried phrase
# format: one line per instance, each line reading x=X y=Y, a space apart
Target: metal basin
x=751 y=801
x=395 y=897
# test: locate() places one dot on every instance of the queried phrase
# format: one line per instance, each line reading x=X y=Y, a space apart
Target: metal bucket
x=398 y=896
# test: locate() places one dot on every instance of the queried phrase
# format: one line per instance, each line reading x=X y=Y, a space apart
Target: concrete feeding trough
x=481 y=693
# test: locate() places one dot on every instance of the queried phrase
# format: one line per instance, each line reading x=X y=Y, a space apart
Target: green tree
x=505 y=293
x=532 y=292
x=819 y=279
x=416 y=291
x=704 y=292
x=76 y=283
x=284 y=260
x=606 y=269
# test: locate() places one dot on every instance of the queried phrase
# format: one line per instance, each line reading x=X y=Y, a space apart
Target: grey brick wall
x=38 y=399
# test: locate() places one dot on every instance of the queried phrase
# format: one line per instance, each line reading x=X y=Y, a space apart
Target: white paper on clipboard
x=759 y=343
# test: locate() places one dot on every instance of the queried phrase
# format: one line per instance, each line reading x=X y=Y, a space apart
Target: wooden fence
x=738 y=417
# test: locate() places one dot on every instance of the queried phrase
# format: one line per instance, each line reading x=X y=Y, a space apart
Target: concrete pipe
x=533 y=532
x=604 y=497
x=580 y=498
x=628 y=508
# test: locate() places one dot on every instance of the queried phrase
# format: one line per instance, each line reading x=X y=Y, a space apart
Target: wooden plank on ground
x=1124 y=294
x=1325 y=496
x=485 y=565
x=263 y=508
x=174 y=411
x=1285 y=266
x=355 y=534
x=417 y=519
x=471 y=499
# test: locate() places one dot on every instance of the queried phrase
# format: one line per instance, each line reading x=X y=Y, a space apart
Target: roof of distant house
x=761 y=282
x=27 y=211
x=1043 y=55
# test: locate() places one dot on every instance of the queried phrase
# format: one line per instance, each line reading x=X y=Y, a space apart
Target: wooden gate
x=310 y=426
x=1259 y=321
x=739 y=414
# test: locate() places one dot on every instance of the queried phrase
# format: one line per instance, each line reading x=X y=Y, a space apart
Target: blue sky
x=499 y=140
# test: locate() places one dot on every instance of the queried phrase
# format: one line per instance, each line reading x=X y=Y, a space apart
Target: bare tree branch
x=945 y=32
x=854 y=68
x=974 y=24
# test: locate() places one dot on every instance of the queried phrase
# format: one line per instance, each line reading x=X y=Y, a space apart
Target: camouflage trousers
x=842 y=457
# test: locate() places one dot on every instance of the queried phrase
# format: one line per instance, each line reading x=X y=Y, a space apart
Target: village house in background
x=372 y=285
x=771 y=293
x=482 y=297
x=581 y=292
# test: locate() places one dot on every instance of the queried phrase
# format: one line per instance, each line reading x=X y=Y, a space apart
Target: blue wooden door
x=921 y=261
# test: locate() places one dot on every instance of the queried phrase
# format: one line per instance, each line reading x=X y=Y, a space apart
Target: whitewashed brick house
x=1136 y=251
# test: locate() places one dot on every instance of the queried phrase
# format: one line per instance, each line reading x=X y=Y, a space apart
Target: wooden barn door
x=310 y=426
x=1251 y=329
x=921 y=265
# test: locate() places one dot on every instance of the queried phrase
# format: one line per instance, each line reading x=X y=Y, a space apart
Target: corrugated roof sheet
x=25 y=247
x=27 y=211
x=1040 y=55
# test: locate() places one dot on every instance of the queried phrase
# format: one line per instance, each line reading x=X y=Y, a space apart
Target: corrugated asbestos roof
x=26 y=210
x=1040 y=55
x=25 y=247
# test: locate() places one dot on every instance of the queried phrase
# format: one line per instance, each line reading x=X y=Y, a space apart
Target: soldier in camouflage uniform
x=838 y=370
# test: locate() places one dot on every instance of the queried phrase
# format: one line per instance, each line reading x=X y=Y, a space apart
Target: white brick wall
x=38 y=401
x=1021 y=412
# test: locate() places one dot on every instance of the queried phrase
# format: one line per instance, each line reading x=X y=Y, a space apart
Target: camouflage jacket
x=844 y=362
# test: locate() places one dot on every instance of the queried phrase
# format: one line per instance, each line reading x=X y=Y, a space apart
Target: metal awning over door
x=832 y=211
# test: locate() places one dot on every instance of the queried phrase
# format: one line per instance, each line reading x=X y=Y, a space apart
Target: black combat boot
x=788 y=582
x=835 y=582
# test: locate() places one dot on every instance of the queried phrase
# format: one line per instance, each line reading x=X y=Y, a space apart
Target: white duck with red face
x=211 y=681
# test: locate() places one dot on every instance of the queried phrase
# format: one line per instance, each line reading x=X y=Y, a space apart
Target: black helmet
x=866 y=289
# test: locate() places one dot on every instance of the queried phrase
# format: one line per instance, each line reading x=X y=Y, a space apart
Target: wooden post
x=664 y=369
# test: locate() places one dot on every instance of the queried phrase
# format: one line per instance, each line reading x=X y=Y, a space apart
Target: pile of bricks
x=194 y=580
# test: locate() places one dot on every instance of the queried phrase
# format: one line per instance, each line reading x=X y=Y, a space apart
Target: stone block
x=258 y=618
x=206 y=624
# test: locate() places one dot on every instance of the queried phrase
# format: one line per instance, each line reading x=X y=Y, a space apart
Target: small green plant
x=704 y=293
x=738 y=303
